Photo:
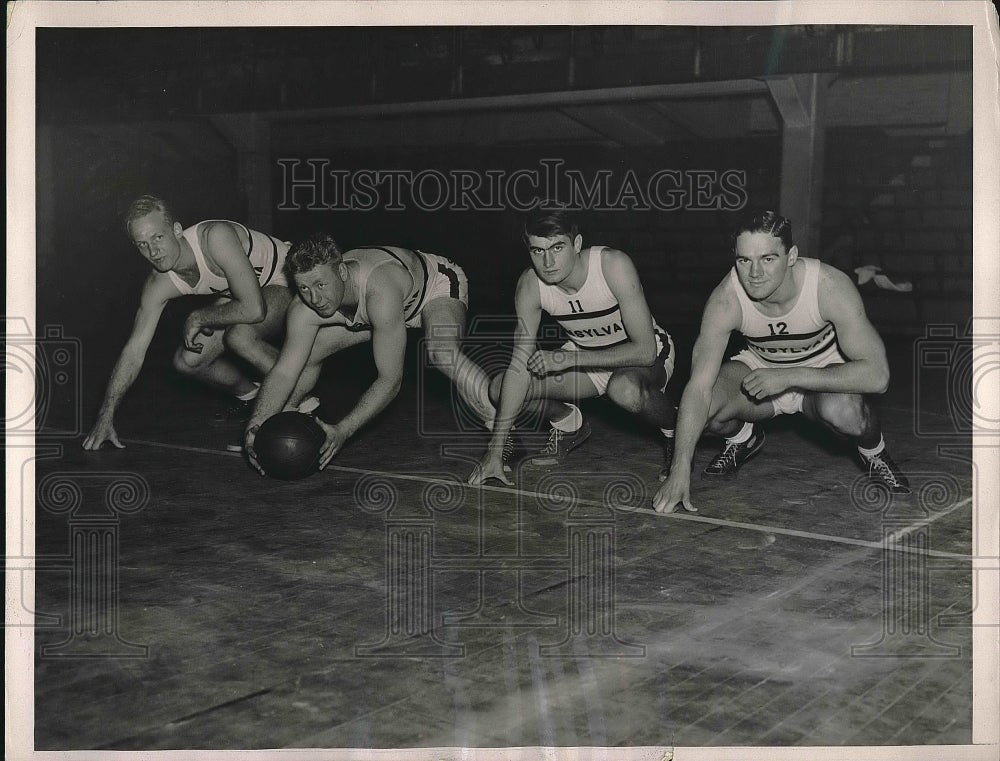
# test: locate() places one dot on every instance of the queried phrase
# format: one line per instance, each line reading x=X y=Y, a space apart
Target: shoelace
x=552 y=445
x=727 y=455
x=237 y=408
x=508 y=449
x=877 y=464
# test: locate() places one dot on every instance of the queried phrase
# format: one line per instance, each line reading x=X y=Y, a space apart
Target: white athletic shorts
x=664 y=353
x=445 y=279
x=790 y=401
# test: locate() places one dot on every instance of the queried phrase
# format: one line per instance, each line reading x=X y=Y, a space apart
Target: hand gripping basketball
x=286 y=446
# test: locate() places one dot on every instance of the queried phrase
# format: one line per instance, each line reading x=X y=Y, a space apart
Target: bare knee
x=846 y=414
x=238 y=338
x=627 y=393
x=724 y=428
x=443 y=356
x=188 y=362
x=495 y=382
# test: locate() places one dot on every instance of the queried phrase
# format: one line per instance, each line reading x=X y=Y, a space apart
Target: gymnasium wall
x=680 y=254
x=88 y=273
x=902 y=203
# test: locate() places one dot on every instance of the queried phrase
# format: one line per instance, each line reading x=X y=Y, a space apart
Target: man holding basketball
x=239 y=271
x=368 y=295
x=811 y=349
x=615 y=346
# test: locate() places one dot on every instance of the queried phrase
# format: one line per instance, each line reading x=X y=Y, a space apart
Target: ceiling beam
x=528 y=100
x=627 y=126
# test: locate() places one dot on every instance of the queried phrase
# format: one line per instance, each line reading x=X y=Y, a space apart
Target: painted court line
x=628 y=508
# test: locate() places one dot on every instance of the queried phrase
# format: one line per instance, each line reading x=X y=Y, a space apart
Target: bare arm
x=386 y=294
x=720 y=318
x=247 y=305
x=385 y=310
x=301 y=326
x=516 y=379
x=640 y=348
x=156 y=292
x=866 y=370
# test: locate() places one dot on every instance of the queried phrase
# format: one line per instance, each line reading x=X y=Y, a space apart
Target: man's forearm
x=626 y=355
x=691 y=418
x=854 y=377
x=123 y=375
x=513 y=389
x=230 y=313
x=271 y=398
x=375 y=399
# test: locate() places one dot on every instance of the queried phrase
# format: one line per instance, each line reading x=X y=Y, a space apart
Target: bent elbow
x=881 y=381
x=257 y=313
x=394 y=385
x=648 y=356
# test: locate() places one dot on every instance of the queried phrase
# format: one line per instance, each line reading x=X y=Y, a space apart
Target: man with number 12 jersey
x=811 y=349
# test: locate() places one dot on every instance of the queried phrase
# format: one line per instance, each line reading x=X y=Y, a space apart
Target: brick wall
x=903 y=204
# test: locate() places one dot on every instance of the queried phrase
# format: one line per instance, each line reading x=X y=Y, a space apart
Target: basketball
x=288 y=445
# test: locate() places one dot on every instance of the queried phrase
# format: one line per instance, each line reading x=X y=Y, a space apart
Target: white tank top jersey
x=266 y=255
x=591 y=317
x=370 y=259
x=800 y=337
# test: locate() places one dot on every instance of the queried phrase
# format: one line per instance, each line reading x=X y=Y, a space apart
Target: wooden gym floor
x=382 y=604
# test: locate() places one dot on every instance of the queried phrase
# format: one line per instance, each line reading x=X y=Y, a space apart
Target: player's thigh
x=563 y=387
x=277 y=298
x=212 y=346
x=841 y=411
x=651 y=378
x=629 y=387
x=730 y=401
x=444 y=319
x=333 y=338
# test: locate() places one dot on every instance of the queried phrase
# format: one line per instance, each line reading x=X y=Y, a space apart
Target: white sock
x=249 y=394
x=667 y=432
x=491 y=424
x=743 y=436
x=571 y=422
x=308 y=405
x=872 y=452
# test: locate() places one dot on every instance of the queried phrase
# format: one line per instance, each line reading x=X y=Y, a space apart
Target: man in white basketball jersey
x=371 y=295
x=615 y=346
x=810 y=349
x=241 y=270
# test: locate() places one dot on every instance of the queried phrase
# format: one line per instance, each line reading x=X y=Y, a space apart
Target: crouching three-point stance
x=615 y=346
x=811 y=349
x=237 y=271
x=368 y=294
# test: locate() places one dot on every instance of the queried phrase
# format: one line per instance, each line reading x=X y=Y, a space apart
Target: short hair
x=763 y=221
x=147 y=204
x=317 y=249
x=549 y=221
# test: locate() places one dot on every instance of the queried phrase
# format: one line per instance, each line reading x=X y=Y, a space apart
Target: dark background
x=127 y=111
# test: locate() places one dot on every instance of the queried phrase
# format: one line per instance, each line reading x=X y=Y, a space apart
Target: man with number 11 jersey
x=615 y=347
